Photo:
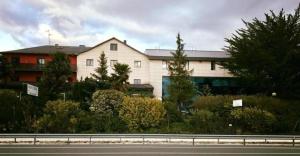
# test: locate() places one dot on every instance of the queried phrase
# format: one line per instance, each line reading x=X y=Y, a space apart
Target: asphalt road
x=148 y=150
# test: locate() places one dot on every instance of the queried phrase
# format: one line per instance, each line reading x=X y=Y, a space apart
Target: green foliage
x=284 y=111
x=60 y=117
x=206 y=91
x=265 y=55
x=253 y=120
x=205 y=121
x=107 y=101
x=141 y=113
x=181 y=88
x=101 y=71
x=55 y=77
x=119 y=79
x=9 y=112
x=82 y=92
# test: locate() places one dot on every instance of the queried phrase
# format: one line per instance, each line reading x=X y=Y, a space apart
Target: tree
x=181 y=88
x=265 y=55
x=9 y=112
x=60 y=117
x=82 y=92
x=55 y=77
x=141 y=112
x=119 y=79
x=101 y=73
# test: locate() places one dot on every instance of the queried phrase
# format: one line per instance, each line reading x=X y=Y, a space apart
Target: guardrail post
x=193 y=141
x=218 y=140
x=265 y=140
x=294 y=142
x=68 y=142
x=15 y=139
x=90 y=139
x=143 y=140
x=244 y=142
x=34 y=140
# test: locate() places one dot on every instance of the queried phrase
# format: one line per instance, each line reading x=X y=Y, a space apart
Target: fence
x=292 y=140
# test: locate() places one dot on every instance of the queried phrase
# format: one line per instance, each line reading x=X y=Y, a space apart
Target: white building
x=149 y=67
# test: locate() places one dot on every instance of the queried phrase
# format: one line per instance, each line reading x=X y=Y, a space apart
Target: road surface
x=147 y=150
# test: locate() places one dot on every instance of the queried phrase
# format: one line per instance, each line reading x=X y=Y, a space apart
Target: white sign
x=237 y=103
x=32 y=90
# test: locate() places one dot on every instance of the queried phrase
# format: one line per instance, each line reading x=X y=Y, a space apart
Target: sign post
x=32 y=90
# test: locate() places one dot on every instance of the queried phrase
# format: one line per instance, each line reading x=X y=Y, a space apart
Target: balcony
x=36 y=67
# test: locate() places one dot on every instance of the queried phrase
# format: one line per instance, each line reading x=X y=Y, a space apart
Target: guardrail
x=243 y=139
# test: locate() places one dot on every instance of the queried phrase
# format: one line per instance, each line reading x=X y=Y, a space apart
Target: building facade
x=151 y=67
x=28 y=64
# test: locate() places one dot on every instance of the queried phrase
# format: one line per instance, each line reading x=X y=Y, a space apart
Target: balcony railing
x=36 y=67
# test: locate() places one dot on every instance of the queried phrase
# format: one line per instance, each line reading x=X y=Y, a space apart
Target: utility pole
x=49 y=34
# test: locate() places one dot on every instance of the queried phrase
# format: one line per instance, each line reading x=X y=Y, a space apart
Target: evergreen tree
x=55 y=77
x=119 y=79
x=101 y=71
x=181 y=88
x=265 y=55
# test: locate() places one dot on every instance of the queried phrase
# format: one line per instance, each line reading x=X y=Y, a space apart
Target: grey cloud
x=203 y=24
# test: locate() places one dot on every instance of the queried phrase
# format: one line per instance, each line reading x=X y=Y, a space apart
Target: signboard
x=32 y=90
x=237 y=103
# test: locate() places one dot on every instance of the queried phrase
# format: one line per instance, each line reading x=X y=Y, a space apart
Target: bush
x=285 y=111
x=107 y=101
x=253 y=120
x=204 y=121
x=60 y=117
x=141 y=113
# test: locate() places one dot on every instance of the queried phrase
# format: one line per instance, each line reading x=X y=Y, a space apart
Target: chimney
x=125 y=42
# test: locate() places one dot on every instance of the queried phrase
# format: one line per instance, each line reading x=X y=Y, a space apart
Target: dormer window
x=113 y=46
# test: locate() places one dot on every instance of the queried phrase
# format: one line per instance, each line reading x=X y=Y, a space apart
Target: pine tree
x=101 y=71
x=265 y=55
x=55 y=77
x=181 y=88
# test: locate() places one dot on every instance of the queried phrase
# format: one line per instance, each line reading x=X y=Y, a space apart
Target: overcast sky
x=145 y=24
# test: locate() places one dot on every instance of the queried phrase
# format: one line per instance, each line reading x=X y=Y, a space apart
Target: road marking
x=150 y=153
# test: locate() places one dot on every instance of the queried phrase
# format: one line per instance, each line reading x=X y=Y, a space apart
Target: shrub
x=204 y=121
x=141 y=113
x=60 y=117
x=253 y=120
x=107 y=101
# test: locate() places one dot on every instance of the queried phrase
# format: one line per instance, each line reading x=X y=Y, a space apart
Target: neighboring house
x=151 y=67
x=27 y=64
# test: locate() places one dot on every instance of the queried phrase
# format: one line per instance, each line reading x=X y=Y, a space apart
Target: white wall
x=151 y=71
x=124 y=54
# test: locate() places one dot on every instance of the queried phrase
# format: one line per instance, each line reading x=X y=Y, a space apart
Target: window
x=89 y=62
x=113 y=62
x=213 y=65
x=113 y=47
x=41 y=61
x=137 y=81
x=164 y=64
x=137 y=64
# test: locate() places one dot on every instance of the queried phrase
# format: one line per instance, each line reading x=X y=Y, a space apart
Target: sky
x=145 y=24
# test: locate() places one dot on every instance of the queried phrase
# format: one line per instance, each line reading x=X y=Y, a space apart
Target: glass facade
x=218 y=85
